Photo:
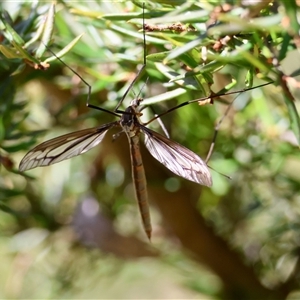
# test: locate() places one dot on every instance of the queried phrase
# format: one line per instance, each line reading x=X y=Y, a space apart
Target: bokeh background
x=73 y=230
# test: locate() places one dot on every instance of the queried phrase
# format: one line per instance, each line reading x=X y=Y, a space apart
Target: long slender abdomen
x=140 y=183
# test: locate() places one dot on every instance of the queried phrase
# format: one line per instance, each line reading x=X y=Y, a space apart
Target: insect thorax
x=129 y=121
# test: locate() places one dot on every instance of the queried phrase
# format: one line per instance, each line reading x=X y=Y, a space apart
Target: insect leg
x=140 y=70
x=203 y=99
x=212 y=145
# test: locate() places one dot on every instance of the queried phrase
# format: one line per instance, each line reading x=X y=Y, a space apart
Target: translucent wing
x=177 y=158
x=64 y=147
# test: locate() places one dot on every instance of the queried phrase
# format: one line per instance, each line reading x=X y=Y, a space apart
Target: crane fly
x=177 y=158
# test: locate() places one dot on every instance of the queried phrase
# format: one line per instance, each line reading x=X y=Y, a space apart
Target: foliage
x=245 y=229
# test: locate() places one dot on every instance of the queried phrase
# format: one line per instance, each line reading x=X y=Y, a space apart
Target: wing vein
x=177 y=158
x=64 y=147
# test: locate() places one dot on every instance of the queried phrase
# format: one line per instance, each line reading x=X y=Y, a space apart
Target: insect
x=177 y=158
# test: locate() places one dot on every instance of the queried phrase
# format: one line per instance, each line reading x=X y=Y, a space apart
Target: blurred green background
x=73 y=230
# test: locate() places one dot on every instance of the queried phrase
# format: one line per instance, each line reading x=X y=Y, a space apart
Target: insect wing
x=177 y=158
x=64 y=147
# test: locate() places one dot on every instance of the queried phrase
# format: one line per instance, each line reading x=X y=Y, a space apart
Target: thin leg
x=140 y=70
x=160 y=122
x=204 y=98
x=212 y=145
x=87 y=84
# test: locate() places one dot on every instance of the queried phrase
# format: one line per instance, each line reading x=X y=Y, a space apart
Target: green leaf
x=121 y=17
x=6 y=193
x=249 y=77
x=25 y=54
x=164 y=96
x=36 y=36
x=157 y=57
x=186 y=80
x=2 y=130
x=181 y=50
x=292 y=10
x=64 y=50
x=10 y=33
x=18 y=147
x=284 y=47
x=10 y=52
x=47 y=31
x=294 y=116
